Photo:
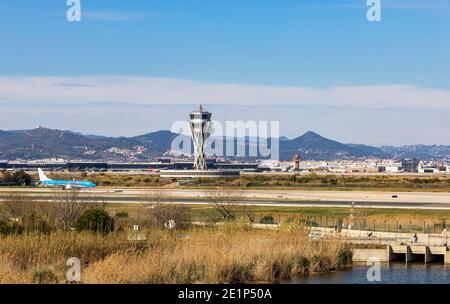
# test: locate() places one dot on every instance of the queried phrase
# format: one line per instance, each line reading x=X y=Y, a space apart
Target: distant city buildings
x=369 y=166
x=358 y=166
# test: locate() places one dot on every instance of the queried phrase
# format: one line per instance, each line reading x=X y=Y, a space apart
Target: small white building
x=393 y=169
x=426 y=169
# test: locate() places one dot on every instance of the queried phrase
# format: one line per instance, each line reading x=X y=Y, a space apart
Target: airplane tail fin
x=42 y=176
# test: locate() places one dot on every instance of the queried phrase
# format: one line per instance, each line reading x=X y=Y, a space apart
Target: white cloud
x=153 y=91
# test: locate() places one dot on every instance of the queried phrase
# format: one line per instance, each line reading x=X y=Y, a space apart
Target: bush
x=268 y=219
x=22 y=178
x=345 y=257
x=17 y=178
x=33 y=222
x=7 y=228
x=303 y=262
x=45 y=277
x=302 y=265
x=95 y=220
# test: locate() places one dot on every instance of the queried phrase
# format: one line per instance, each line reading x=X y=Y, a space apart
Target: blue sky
x=322 y=59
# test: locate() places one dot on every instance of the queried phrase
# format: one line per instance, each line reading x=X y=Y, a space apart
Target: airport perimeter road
x=286 y=198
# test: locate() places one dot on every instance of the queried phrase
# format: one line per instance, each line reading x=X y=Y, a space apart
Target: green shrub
x=19 y=178
x=44 y=227
x=345 y=256
x=302 y=265
x=268 y=219
x=33 y=222
x=303 y=262
x=45 y=277
x=95 y=220
x=7 y=228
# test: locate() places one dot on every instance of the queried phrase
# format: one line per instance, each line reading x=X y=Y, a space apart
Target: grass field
x=335 y=182
x=204 y=212
x=364 y=218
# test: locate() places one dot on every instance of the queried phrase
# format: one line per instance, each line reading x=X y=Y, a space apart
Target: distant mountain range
x=42 y=143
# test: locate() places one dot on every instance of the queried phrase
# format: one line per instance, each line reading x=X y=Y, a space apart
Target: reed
x=232 y=253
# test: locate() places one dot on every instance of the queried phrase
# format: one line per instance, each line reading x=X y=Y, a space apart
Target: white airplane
x=66 y=184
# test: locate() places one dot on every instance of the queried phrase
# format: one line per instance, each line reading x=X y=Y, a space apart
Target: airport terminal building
x=93 y=166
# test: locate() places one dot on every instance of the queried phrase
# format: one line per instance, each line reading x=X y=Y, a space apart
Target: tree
x=68 y=208
x=223 y=201
x=95 y=220
x=17 y=178
x=22 y=178
x=162 y=213
x=29 y=215
x=16 y=206
x=248 y=211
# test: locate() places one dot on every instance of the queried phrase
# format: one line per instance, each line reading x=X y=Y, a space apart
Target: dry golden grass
x=21 y=256
x=232 y=253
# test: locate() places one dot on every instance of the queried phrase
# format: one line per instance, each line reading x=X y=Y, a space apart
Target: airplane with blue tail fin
x=66 y=184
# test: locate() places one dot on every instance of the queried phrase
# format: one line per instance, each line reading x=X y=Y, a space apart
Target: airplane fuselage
x=68 y=183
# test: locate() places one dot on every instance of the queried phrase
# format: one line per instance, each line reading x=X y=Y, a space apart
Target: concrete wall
x=363 y=255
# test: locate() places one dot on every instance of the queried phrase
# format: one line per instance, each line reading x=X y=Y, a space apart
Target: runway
x=269 y=198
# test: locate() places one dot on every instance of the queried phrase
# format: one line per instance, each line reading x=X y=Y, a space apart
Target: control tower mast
x=201 y=125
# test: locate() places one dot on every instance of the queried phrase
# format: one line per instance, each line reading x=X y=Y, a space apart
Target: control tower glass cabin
x=201 y=125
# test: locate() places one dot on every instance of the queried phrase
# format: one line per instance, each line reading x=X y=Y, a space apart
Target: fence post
x=396 y=233
x=444 y=229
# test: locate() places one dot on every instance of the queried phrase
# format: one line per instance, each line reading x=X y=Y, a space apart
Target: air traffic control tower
x=200 y=125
